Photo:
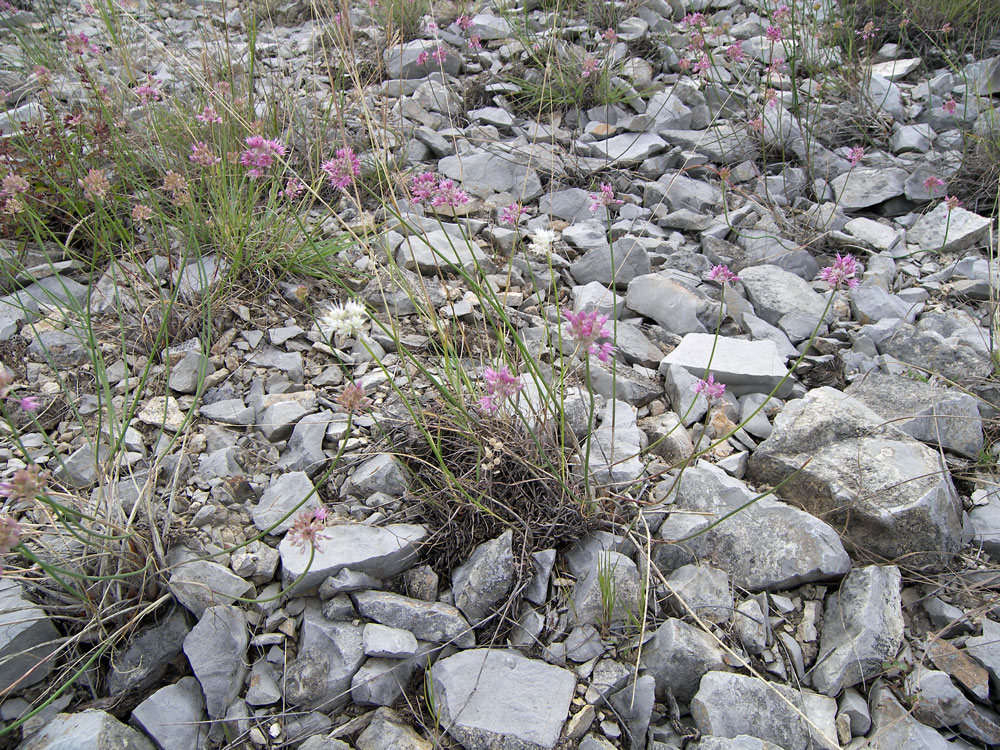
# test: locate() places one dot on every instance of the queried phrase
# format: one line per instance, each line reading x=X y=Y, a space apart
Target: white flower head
x=343 y=320
x=541 y=242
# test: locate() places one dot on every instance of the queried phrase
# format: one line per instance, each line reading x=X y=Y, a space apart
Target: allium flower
x=735 y=52
x=684 y=63
x=13 y=206
x=6 y=381
x=949 y=106
x=703 y=64
x=722 y=274
x=79 y=44
x=694 y=20
x=933 y=183
x=756 y=125
x=25 y=484
x=464 y=22
x=201 y=153
x=474 y=42
x=260 y=154
x=343 y=320
x=711 y=390
x=141 y=212
x=842 y=271
x=307 y=530
x=208 y=115
x=774 y=33
x=149 y=91
x=422 y=57
x=610 y=35
x=440 y=54
x=501 y=385
x=855 y=155
x=293 y=188
x=13 y=184
x=952 y=202
x=10 y=535
x=867 y=31
x=343 y=168
x=511 y=214
x=605 y=198
x=541 y=242
x=177 y=184
x=28 y=403
x=589 y=67
x=781 y=12
x=353 y=399
x=586 y=329
x=424 y=186
x=95 y=185
x=449 y=195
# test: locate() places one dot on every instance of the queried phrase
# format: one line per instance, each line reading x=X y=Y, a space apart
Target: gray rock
x=678 y=656
x=380 y=551
x=390 y=643
x=428 y=621
x=946 y=417
x=147 y=655
x=912 y=139
x=489 y=27
x=304 y=451
x=886 y=96
x=751 y=625
x=276 y=421
x=381 y=473
x=725 y=144
x=87 y=729
x=679 y=385
x=613 y=266
x=893 y=727
x=330 y=654
x=382 y=682
x=220 y=464
x=854 y=706
x=264 y=689
x=587 y=235
x=28 y=639
x=201 y=584
x=668 y=438
x=60 y=349
x=614 y=447
x=764 y=544
x=346 y=581
x=572 y=205
x=946 y=231
x=937 y=701
x=614 y=601
x=388 y=731
x=596 y=296
x=874 y=234
x=438 y=251
x=628 y=149
x=862 y=187
x=401 y=60
x=174 y=716
x=774 y=293
x=862 y=629
x=491 y=698
x=739 y=742
x=673 y=306
x=985 y=649
x=839 y=447
x=612 y=381
x=870 y=303
x=537 y=590
x=216 y=649
x=201 y=277
x=229 y=411
x=728 y=705
x=483 y=581
x=584 y=643
x=765 y=243
x=281 y=498
x=951 y=356
x=483 y=174
x=634 y=706
x=703 y=590
x=744 y=366
x=668 y=111
x=192 y=369
x=680 y=191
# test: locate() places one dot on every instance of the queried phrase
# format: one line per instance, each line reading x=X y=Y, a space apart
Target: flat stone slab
x=87 y=729
x=628 y=148
x=744 y=366
x=495 y=698
x=868 y=186
x=947 y=231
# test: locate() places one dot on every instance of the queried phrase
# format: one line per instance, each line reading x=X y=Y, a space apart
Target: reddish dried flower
x=952 y=202
x=13 y=184
x=95 y=185
x=25 y=484
x=79 y=44
x=353 y=399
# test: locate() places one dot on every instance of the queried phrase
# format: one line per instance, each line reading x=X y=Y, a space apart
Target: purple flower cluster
x=843 y=271
x=604 y=198
x=260 y=154
x=711 y=390
x=343 y=168
x=586 y=328
x=427 y=188
x=501 y=384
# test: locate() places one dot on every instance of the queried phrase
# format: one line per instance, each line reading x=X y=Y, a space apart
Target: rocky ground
x=854 y=607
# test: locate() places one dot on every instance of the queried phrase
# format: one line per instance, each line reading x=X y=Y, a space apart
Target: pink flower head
x=440 y=54
x=722 y=274
x=511 y=214
x=422 y=57
x=208 y=115
x=933 y=183
x=586 y=329
x=26 y=484
x=343 y=168
x=95 y=185
x=781 y=12
x=474 y=42
x=464 y=22
x=79 y=44
x=10 y=534
x=774 y=33
x=13 y=184
x=843 y=270
x=353 y=399
x=703 y=64
x=424 y=186
x=501 y=385
x=855 y=155
x=29 y=403
x=201 y=153
x=735 y=52
x=148 y=91
x=610 y=35
x=260 y=154
x=293 y=188
x=693 y=20
x=949 y=106
x=448 y=194
x=867 y=31
x=684 y=63
x=711 y=390
x=952 y=202
x=605 y=198
x=307 y=530
x=589 y=67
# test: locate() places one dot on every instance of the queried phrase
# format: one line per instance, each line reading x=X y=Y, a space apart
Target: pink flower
x=422 y=57
x=353 y=399
x=774 y=33
x=605 y=198
x=781 y=12
x=29 y=403
x=511 y=214
x=25 y=484
x=95 y=185
x=703 y=64
x=711 y=390
x=148 y=91
x=868 y=31
x=692 y=20
x=501 y=385
x=723 y=274
x=141 y=212
x=293 y=188
x=949 y=106
x=10 y=534
x=952 y=202
x=756 y=125
x=855 y=155
x=343 y=168
x=449 y=195
x=464 y=22
x=307 y=530
x=13 y=184
x=589 y=67
x=684 y=63
x=586 y=329
x=208 y=115
x=79 y=44
x=842 y=271
x=735 y=52
x=260 y=154
x=201 y=153
x=933 y=183
x=424 y=186
x=440 y=54
x=474 y=42
x=610 y=35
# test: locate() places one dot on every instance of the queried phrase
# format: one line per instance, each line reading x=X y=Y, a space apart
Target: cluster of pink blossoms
x=586 y=328
x=511 y=214
x=589 y=67
x=79 y=44
x=439 y=55
x=501 y=384
x=711 y=390
x=10 y=535
x=722 y=274
x=201 y=153
x=855 y=155
x=427 y=187
x=11 y=188
x=149 y=91
x=208 y=115
x=606 y=197
x=343 y=168
x=260 y=154
x=843 y=271
x=308 y=528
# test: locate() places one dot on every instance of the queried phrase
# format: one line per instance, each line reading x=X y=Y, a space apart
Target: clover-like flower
x=343 y=168
x=586 y=328
x=343 y=320
x=501 y=384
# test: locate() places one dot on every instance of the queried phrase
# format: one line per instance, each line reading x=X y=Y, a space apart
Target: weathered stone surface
x=985 y=649
x=201 y=584
x=438 y=251
x=428 y=621
x=216 y=648
x=144 y=661
x=330 y=654
x=483 y=174
x=381 y=473
x=744 y=366
x=678 y=656
x=766 y=545
x=28 y=639
x=702 y=590
x=492 y=698
x=613 y=265
x=862 y=187
x=944 y=231
x=932 y=414
x=893 y=727
x=401 y=60
x=86 y=729
x=937 y=701
x=614 y=446
x=380 y=551
x=888 y=494
x=775 y=293
x=388 y=731
x=173 y=716
x=280 y=499
x=728 y=705
x=862 y=629
x=591 y=604
x=672 y=305
x=484 y=579
x=627 y=149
